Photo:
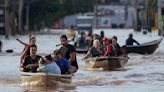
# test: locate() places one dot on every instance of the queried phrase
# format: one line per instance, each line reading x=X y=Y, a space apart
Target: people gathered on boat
x=64 y=60
x=130 y=40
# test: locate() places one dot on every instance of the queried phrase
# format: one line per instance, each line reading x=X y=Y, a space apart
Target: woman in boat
x=94 y=51
x=116 y=45
x=48 y=66
x=130 y=40
x=26 y=50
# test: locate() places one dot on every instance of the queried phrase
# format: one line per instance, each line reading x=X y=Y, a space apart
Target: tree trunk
x=20 y=10
x=7 y=29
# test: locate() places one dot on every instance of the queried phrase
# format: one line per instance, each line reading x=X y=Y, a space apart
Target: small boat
x=43 y=79
x=106 y=63
x=82 y=49
x=145 y=48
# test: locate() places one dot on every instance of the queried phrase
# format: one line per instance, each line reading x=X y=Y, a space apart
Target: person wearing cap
x=130 y=40
x=94 y=51
x=108 y=47
x=48 y=66
x=63 y=63
x=31 y=62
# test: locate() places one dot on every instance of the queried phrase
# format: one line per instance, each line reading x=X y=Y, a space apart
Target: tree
x=46 y=12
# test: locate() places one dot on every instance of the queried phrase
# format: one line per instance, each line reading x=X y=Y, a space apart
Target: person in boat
x=94 y=51
x=102 y=34
x=116 y=45
x=68 y=51
x=107 y=46
x=64 y=64
x=0 y=45
x=130 y=40
x=110 y=49
x=89 y=39
x=81 y=40
x=26 y=50
x=31 y=62
x=48 y=66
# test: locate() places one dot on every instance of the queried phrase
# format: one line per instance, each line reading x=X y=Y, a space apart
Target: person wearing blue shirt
x=48 y=66
x=63 y=63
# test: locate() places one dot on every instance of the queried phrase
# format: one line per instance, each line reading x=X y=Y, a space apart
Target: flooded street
x=143 y=73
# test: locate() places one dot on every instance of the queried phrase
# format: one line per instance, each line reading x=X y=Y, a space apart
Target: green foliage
x=46 y=12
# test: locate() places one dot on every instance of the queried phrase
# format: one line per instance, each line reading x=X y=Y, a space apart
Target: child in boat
x=48 y=66
x=26 y=50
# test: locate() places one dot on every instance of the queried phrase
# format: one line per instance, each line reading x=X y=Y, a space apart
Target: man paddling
x=130 y=40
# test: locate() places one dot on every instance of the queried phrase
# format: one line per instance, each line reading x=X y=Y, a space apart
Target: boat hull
x=146 y=48
x=43 y=79
x=106 y=63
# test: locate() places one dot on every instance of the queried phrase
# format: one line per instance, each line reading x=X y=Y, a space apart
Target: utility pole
x=27 y=16
x=7 y=29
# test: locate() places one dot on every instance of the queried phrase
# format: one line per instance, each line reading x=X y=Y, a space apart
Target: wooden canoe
x=106 y=63
x=43 y=79
x=145 y=48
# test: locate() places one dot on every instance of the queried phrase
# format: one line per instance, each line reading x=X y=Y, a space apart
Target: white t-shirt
x=50 y=68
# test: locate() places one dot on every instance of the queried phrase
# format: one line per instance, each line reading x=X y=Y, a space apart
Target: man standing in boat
x=31 y=62
x=69 y=52
x=130 y=40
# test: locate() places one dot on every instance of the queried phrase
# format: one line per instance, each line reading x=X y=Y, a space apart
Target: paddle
x=61 y=44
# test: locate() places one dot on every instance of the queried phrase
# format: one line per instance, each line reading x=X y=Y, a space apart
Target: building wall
x=109 y=16
x=161 y=17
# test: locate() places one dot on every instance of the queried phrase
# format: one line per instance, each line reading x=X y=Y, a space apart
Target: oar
x=61 y=44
